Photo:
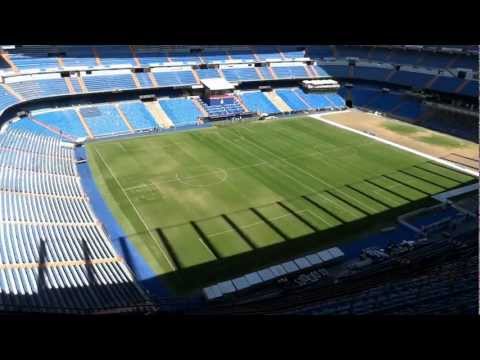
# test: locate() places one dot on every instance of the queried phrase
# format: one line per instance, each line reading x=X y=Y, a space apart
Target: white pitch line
x=311 y=175
x=136 y=210
x=398 y=146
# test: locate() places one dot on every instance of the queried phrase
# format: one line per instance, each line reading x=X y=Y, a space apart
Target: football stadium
x=240 y=179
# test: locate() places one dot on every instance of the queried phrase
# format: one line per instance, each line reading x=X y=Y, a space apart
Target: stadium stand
x=6 y=99
x=39 y=88
x=174 y=78
x=65 y=120
x=115 y=55
x=53 y=255
x=138 y=115
x=290 y=72
x=257 y=102
x=103 y=120
x=240 y=74
x=109 y=82
x=181 y=111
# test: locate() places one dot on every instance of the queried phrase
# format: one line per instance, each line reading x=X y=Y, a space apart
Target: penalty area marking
x=173 y=267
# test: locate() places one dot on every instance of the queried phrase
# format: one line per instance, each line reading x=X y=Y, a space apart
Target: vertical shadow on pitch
x=342 y=200
x=369 y=196
x=269 y=223
x=405 y=172
x=205 y=239
x=299 y=217
x=239 y=231
x=168 y=247
x=126 y=255
x=430 y=171
x=391 y=191
x=313 y=202
x=404 y=184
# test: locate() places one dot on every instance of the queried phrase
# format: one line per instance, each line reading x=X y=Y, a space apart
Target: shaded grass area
x=441 y=140
x=204 y=206
x=403 y=129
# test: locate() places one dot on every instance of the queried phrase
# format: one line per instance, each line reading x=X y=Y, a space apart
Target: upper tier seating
x=138 y=115
x=185 y=57
x=208 y=73
x=320 y=52
x=76 y=56
x=315 y=100
x=267 y=75
x=371 y=73
x=256 y=101
x=290 y=72
x=144 y=80
x=34 y=89
x=175 y=78
x=104 y=120
x=338 y=71
x=65 y=120
x=242 y=55
x=181 y=111
x=48 y=233
x=151 y=55
x=33 y=57
x=214 y=56
x=267 y=53
x=115 y=55
x=292 y=53
x=412 y=79
x=109 y=82
x=241 y=74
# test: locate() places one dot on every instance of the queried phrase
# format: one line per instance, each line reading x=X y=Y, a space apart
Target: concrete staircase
x=84 y=123
x=97 y=56
x=134 y=55
x=124 y=118
x=152 y=79
x=10 y=63
x=70 y=87
x=12 y=92
x=158 y=114
x=136 y=81
x=277 y=101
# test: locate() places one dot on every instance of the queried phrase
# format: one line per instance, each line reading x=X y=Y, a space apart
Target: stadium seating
x=228 y=106
x=292 y=53
x=208 y=73
x=371 y=73
x=256 y=101
x=267 y=53
x=104 y=120
x=109 y=82
x=174 y=78
x=242 y=55
x=293 y=100
x=144 y=80
x=266 y=74
x=290 y=72
x=46 y=220
x=181 y=111
x=78 y=56
x=336 y=71
x=446 y=84
x=214 y=56
x=115 y=55
x=315 y=100
x=138 y=115
x=411 y=79
x=6 y=99
x=35 y=89
x=185 y=57
x=65 y=120
x=33 y=57
x=148 y=55
x=240 y=74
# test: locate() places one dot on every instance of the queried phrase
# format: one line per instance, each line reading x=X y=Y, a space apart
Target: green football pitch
x=206 y=205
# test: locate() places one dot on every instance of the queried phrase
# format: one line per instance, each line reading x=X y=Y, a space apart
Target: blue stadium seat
x=175 y=78
x=340 y=71
x=208 y=73
x=410 y=78
x=290 y=72
x=109 y=82
x=292 y=100
x=181 y=111
x=371 y=73
x=240 y=74
x=144 y=80
x=104 y=120
x=6 y=99
x=115 y=55
x=256 y=101
x=138 y=115
x=79 y=56
x=34 y=89
x=65 y=120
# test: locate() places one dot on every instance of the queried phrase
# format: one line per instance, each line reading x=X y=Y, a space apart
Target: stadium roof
x=217 y=84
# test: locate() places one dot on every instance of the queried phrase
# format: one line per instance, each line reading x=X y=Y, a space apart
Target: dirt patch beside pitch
x=415 y=137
